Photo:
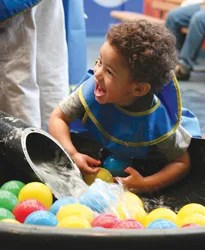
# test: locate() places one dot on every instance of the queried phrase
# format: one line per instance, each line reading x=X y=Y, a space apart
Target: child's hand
x=86 y=164
x=134 y=181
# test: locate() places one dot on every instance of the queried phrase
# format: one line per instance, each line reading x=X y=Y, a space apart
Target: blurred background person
x=34 y=57
x=189 y=45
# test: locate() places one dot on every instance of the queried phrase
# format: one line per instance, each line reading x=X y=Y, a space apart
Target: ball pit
x=66 y=214
x=121 y=210
x=34 y=147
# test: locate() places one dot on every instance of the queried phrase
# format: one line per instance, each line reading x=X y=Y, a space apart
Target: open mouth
x=99 y=91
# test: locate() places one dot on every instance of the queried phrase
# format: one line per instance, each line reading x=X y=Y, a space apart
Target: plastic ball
x=10 y=220
x=125 y=211
x=131 y=199
x=160 y=213
x=38 y=191
x=61 y=202
x=115 y=166
x=188 y=210
x=198 y=219
x=105 y=221
x=76 y=210
x=129 y=224
x=94 y=200
x=13 y=186
x=41 y=217
x=26 y=207
x=73 y=221
x=161 y=224
x=190 y=225
x=98 y=196
x=102 y=174
x=8 y=200
x=6 y=214
x=99 y=229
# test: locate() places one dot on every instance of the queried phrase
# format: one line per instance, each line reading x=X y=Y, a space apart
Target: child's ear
x=141 y=89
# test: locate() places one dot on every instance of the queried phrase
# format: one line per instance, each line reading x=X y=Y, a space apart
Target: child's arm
x=59 y=129
x=168 y=175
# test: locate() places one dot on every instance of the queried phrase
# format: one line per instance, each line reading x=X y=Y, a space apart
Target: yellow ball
x=130 y=211
x=160 y=213
x=75 y=209
x=198 y=219
x=73 y=221
x=188 y=210
x=191 y=208
x=130 y=199
x=38 y=191
x=139 y=214
x=10 y=220
x=102 y=174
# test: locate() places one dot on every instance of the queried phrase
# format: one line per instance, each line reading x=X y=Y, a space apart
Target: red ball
x=191 y=225
x=129 y=224
x=25 y=207
x=105 y=220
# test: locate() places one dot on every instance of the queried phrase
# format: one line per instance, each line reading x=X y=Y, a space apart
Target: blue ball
x=115 y=166
x=161 y=224
x=62 y=202
x=41 y=217
x=98 y=196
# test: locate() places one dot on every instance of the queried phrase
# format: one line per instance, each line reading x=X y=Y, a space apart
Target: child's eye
x=109 y=72
x=98 y=62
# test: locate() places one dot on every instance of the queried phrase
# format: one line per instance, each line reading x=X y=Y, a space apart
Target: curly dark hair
x=149 y=49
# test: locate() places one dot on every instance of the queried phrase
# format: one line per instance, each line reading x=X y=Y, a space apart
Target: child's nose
x=98 y=72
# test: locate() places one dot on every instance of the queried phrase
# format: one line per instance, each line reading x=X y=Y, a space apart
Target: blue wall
x=99 y=17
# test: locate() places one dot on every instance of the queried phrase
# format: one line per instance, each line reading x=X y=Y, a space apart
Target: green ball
x=8 y=200
x=6 y=214
x=13 y=186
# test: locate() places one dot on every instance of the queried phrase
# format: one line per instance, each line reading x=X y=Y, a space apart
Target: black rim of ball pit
x=15 y=236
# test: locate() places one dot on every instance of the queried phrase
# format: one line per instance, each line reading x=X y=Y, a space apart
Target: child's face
x=113 y=82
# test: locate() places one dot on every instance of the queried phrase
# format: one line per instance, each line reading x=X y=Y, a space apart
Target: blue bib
x=131 y=134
